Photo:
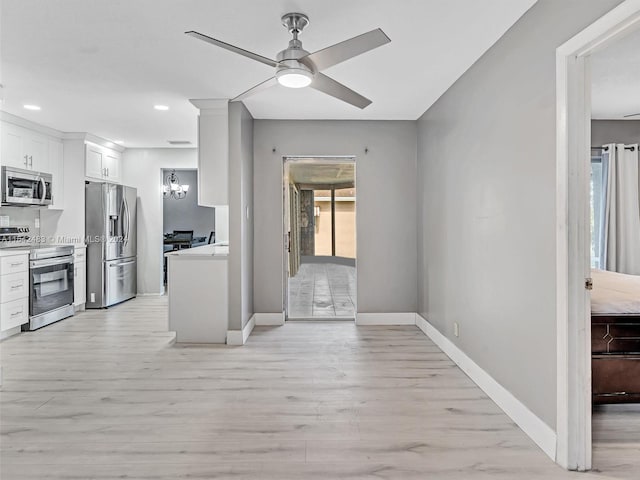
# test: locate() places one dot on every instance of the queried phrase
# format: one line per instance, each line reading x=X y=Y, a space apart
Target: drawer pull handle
x=17 y=264
x=15 y=287
x=15 y=314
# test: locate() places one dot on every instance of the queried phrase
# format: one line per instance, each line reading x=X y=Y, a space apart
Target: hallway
x=104 y=395
x=323 y=290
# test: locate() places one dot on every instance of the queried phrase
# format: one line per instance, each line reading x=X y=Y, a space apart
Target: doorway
x=185 y=223
x=577 y=330
x=319 y=226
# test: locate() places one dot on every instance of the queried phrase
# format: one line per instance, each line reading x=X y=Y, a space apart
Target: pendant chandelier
x=172 y=187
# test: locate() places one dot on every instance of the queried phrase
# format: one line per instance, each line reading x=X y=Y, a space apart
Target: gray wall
x=614 y=131
x=186 y=214
x=486 y=174
x=240 y=226
x=386 y=211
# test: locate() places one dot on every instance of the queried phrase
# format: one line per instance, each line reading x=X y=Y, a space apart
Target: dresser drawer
x=14 y=264
x=13 y=314
x=14 y=286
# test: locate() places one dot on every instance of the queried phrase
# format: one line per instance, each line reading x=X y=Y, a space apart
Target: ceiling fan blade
x=342 y=51
x=258 y=88
x=329 y=86
x=232 y=48
x=632 y=115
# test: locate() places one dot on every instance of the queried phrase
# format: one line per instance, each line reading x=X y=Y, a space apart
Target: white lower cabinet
x=13 y=314
x=14 y=291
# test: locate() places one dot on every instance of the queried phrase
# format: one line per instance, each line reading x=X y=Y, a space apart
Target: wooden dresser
x=615 y=347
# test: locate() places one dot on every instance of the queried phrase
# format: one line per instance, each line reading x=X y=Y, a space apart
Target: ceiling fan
x=297 y=68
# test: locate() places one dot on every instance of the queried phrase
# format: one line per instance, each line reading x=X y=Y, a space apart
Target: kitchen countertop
x=20 y=250
x=10 y=252
x=213 y=251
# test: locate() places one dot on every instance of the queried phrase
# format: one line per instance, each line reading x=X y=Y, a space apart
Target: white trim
x=36 y=127
x=10 y=332
x=572 y=231
x=268 y=319
x=239 y=337
x=400 y=318
x=541 y=433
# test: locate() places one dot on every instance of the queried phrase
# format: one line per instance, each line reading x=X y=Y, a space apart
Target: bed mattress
x=615 y=293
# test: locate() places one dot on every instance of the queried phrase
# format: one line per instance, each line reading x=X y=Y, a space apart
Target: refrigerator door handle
x=116 y=265
x=128 y=218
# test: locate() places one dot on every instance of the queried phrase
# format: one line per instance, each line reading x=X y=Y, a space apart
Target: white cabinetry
x=103 y=163
x=23 y=148
x=56 y=166
x=213 y=152
x=14 y=291
x=80 y=277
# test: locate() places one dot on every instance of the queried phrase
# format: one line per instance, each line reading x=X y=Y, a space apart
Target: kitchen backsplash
x=21 y=217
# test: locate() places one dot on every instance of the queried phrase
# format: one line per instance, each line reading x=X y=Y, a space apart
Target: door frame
x=573 y=314
x=287 y=159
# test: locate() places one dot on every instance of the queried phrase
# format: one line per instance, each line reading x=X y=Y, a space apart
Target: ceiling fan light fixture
x=294 y=77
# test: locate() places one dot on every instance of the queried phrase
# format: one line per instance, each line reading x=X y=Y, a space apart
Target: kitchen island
x=198 y=302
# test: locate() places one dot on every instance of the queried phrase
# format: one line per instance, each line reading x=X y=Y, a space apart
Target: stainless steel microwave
x=26 y=187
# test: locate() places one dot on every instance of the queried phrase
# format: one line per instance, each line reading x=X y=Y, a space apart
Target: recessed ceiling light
x=119 y=142
x=31 y=107
x=161 y=107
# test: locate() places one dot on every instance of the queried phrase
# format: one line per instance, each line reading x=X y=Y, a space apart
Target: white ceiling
x=615 y=74
x=101 y=65
x=322 y=173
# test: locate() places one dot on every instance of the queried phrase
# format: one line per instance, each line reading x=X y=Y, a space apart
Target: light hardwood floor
x=104 y=395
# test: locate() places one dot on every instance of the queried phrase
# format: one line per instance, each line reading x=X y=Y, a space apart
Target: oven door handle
x=46 y=262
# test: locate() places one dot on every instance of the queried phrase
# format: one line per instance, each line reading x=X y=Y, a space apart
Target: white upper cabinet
x=23 y=148
x=56 y=166
x=12 y=155
x=37 y=147
x=93 y=158
x=102 y=163
x=113 y=163
x=213 y=152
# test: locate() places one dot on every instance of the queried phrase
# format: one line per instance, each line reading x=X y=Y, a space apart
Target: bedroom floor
x=616 y=440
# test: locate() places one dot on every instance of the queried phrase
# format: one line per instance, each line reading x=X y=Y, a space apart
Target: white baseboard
x=239 y=337
x=541 y=433
x=268 y=319
x=10 y=332
x=400 y=318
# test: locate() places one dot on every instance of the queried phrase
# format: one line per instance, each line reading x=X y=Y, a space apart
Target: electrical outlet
x=37 y=223
x=456 y=329
x=92 y=296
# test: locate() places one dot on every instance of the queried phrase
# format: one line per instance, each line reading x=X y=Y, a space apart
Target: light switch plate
x=456 y=329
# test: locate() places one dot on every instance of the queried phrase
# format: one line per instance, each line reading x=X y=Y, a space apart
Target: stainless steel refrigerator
x=110 y=222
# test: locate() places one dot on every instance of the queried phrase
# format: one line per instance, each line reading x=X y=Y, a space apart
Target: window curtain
x=621 y=249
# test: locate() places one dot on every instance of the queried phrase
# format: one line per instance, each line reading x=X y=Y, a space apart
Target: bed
x=615 y=337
